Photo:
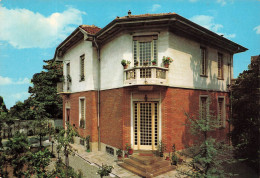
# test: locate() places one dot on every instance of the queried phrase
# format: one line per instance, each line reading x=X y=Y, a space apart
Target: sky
x=30 y=30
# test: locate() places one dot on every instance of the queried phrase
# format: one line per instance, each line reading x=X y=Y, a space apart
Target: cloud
x=222 y=2
x=155 y=7
x=23 y=28
x=19 y=96
x=208 y=22
x=257 y=29
x=9 y=81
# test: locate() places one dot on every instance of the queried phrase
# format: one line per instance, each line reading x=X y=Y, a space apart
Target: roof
x=90 y=29
x=145 y=15
x=171 y=21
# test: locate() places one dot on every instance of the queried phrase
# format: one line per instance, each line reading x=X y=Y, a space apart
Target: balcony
x=64 y=87
x=150 y=75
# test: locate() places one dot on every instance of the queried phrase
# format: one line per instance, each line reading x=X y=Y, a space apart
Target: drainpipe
x=230 y=98
x=98 y=94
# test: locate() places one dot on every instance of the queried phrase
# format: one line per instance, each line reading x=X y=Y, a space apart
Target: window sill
x=203 y=75
x=220 y=78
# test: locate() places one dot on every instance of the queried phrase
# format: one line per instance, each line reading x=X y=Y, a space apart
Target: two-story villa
x=145 y=103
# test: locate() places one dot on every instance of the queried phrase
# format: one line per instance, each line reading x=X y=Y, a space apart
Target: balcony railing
x=150 y=75
x=64 y=87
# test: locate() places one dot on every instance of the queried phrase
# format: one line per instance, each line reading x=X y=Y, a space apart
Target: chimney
x=129 y=13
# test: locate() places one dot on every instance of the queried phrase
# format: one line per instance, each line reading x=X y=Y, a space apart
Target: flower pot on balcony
x=166 y=65
x=125 y=66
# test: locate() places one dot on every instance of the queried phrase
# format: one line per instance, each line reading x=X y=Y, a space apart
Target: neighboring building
x=145 y=104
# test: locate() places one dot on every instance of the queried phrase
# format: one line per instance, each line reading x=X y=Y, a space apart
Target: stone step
x=145 y=159
x=148 y=174
x=134 y=170
x=147 y=168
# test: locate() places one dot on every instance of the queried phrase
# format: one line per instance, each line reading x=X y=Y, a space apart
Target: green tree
x=245 y=104
x=37 y=162
x=44 y=89
x=64 y=138
x=17 y=150
x=208 y=154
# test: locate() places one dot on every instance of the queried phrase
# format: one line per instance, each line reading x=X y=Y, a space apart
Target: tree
x=17 y=149
x=37 y=162
x=208 y=155
x=245 y=104
x=64 y=138
x=41 y=123
x=44 y=89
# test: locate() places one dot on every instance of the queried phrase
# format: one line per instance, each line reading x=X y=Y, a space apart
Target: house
x=145 y=103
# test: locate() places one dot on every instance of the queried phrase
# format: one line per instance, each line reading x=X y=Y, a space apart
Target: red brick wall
x=175 y=102
x=115 y=116
x=91 y=113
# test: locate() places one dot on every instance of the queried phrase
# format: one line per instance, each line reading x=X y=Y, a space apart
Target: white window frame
x=207 y=104
x=84 y=117
x=221 y=73
x=80 y=67
x=152 y=50
x=205 y=67
x=223 y=119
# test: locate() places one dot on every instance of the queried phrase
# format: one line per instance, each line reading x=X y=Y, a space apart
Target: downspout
x=98 y=94
x=230 y=98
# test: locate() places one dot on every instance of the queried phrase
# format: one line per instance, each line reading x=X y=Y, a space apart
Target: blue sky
x=31 y=30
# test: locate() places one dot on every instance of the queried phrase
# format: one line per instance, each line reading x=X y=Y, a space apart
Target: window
x=203 y=62
x=82 y=71
x=221 y=112
x=145 y=49
x=68 y=68
x=68 y=76
x=82 y=119
x=220 y=66
x=204 y=107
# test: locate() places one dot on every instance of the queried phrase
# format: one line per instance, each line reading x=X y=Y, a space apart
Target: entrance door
x=146 y=125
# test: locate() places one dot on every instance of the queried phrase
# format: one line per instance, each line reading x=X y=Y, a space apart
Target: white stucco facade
x=184 y=72
x=90 y=68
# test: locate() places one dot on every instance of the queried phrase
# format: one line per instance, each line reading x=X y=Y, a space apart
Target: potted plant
x=174 y=157
x=136 y=63
x=125 y=63
x=119 y=154
x=161 y=148
x=166 y=61
x=82 y=123
x=105 y=170
x=129 y=149
x=126 y=155
x=154 y=62
x=145 y=63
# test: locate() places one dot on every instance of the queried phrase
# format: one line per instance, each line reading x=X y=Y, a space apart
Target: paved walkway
x=98 y=158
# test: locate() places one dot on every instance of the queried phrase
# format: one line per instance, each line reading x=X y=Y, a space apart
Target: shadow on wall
x=207 y=84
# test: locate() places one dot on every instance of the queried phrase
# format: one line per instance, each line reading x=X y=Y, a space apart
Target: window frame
x=220 y=66
x=207 y=104
x=205 y=61
x=222 y=120
x=80 y=111
x=82 y=67
x=154 y=48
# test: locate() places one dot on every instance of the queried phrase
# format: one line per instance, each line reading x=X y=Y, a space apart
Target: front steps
x=147 y=165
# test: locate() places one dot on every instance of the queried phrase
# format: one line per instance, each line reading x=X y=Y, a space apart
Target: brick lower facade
x=115 y=113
